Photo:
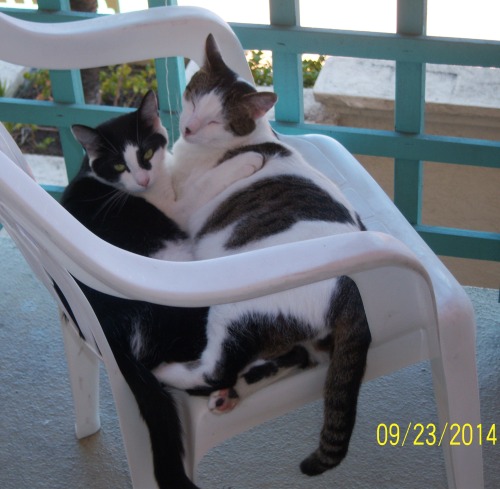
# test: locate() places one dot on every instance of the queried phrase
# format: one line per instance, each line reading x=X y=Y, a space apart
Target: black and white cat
x=287 y=200
x=123 y=183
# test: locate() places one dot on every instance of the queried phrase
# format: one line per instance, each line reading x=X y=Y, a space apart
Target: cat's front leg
x=198 y=190
x=181 y=375
x=240 y=166
x=199 y=375
x=202 y=189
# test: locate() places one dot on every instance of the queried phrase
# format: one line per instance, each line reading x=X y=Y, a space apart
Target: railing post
x=172 y=72
x=409 y=111
x=53 y=5
x=287 y=68
x=66 y=89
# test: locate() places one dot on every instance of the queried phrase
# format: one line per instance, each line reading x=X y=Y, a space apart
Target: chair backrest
x=158 y=33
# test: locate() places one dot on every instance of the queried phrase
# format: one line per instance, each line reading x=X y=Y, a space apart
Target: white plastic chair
x=416 y=309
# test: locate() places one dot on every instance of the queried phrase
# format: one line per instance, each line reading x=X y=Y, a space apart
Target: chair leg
x=457 y=397
x=83 y=366
x=134 y=431
x=187 y=413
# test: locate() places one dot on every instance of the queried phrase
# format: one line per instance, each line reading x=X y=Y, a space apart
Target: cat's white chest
x=175 y=251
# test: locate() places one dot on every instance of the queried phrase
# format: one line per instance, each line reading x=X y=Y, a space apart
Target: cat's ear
x=89 y=138
x=213 y=58
x=259 y=103
x=148 y=110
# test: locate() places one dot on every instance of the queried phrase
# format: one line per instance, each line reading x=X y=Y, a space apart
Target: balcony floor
x=38 y=448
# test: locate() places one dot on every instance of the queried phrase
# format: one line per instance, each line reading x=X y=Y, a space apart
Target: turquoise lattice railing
x=407 y=144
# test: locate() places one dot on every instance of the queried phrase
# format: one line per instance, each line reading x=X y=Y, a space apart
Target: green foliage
x=122 y=85
x=262 y=68
x=32 y=136
x=125 y=85
x=11 y=126
x=44 y=145
x=3 y=88
x=40 y=83
x=311 y=69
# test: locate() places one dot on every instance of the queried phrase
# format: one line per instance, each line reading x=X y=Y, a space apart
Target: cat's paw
x=245 y=164
x=255 y=162
x=223 y=401
x=180 y=375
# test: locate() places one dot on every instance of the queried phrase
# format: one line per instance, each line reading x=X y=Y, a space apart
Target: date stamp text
x=420 y=434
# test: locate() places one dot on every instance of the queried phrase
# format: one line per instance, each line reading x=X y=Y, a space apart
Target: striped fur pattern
x=271 y=206
x=286 y=200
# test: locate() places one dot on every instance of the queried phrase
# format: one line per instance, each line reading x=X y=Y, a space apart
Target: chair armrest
x=188 y=284
x=11 y=149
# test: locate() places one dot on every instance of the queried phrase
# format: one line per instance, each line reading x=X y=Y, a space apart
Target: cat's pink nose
x=187 y=131
x=144 y=181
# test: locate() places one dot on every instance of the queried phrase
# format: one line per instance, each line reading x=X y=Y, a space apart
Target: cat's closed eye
x=120 y=167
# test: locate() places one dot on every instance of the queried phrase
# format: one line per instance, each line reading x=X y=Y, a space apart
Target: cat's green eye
x=148 y=154
x=120 y=167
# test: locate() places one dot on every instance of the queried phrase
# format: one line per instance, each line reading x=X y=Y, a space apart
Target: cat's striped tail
x=350 y=341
